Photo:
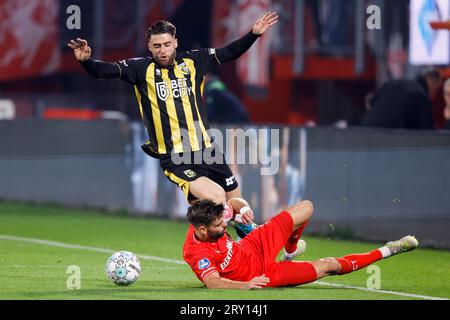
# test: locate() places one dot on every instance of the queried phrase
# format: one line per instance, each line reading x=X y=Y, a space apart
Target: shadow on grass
x=107 y=293
x=158 y=290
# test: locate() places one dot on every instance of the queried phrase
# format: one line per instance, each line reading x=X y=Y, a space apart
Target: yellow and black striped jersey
x=170 y=99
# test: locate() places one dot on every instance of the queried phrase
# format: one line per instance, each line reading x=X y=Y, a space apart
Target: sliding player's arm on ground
x=235 y=49
x=215 y=281
x=101 y=69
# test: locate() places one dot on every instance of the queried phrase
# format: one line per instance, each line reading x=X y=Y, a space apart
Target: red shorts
x=266 y=242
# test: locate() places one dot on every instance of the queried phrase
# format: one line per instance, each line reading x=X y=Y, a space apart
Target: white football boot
x=405 y=244
x=301 y=248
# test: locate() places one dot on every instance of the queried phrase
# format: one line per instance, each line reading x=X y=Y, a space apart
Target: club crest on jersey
x=204 y=263
x=189 y=173
x=162 y=90
x=184 y=69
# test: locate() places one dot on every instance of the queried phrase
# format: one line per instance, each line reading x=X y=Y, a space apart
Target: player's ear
x=176 y=43
x=202 y=229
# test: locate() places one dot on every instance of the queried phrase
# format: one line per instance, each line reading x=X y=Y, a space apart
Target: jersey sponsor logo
x=179 y=88
x=227 y=259
x=204 y=263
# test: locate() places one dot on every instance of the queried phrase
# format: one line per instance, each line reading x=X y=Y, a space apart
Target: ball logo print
x=123 y=268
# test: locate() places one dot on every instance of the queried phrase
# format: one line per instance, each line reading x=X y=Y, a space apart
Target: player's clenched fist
x=81 y=49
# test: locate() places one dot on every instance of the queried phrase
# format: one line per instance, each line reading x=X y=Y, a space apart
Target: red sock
x=291 y=244
x=354 y=262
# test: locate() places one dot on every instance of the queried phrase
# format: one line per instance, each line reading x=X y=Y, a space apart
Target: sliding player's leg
x=297 y=273
x=301 y=213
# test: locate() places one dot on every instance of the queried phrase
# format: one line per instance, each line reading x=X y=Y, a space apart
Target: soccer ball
x=123 y=268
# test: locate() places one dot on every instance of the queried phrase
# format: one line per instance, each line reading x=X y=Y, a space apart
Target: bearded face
x=216 y=229
x=163 y=48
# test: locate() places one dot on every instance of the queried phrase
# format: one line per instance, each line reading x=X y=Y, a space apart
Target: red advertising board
x=29 y=43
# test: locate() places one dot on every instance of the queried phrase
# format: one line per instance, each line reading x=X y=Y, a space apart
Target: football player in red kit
x=221 y=263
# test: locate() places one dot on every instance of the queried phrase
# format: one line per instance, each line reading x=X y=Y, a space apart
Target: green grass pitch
x=32 y=270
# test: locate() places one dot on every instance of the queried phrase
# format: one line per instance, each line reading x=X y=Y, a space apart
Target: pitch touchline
x=79 y=247
x=146 y=257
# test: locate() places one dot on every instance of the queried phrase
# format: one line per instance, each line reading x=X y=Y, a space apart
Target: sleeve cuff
x=255 y=36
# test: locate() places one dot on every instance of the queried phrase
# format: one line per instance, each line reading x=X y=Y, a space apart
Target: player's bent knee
x=204 y=188
x=301 y=212
x=219 y=196
x=309 y=207
x=326 y=266
x=334 y=266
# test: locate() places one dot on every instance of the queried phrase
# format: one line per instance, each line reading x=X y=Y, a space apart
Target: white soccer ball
x=123 y=268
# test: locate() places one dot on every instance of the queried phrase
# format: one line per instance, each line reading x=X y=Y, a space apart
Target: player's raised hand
x=247 y=216
x=265 y=22
x=81 y=49
x=257 y=282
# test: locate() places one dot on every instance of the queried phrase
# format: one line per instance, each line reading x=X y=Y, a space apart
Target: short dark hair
x=204 y=212
x=160 y=27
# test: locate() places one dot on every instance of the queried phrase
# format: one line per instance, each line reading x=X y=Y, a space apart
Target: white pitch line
x=403 y=294
x=146 y=257
x=79 y=247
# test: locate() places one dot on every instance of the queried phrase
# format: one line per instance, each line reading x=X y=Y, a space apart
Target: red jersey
x=224 y=256
x=252 y=256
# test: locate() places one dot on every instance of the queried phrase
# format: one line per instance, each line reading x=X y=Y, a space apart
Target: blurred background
x=356 y=89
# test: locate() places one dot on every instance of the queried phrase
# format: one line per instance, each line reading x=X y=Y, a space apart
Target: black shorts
x=188 y=171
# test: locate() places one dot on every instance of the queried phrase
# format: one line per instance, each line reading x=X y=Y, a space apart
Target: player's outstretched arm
x=235 y=49
x=214 y=281
x=99 y=69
